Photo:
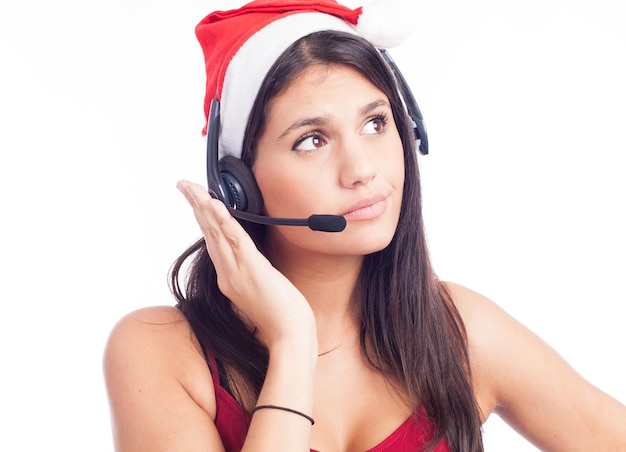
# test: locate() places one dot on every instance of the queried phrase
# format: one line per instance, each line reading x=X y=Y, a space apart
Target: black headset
x=231 y=181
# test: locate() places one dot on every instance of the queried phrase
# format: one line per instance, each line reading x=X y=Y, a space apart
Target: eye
x=309 y=142
x=375 y=125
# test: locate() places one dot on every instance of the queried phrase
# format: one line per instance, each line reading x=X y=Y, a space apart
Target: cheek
x=393 y=164
x=399 y=161
x=284 y=191
x=398 y=171
x=395 y=175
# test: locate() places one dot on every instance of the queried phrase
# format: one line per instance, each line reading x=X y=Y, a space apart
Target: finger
x=241 y=268
x=227 y=241
x=220 y=220
x=259 y=292
x=204 y=211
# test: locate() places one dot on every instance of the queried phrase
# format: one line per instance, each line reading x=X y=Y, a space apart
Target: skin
x=326 y=129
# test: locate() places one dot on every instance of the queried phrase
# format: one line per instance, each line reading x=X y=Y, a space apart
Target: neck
x=328 y=283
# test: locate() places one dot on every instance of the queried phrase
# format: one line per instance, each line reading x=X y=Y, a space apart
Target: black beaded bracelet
x=274 y=407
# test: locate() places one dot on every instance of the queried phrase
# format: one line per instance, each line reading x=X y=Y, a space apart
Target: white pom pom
x=387 y=23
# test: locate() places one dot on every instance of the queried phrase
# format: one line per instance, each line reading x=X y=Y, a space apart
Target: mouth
x=367 y=209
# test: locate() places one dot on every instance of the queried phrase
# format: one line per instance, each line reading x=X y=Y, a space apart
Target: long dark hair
x=410 y=329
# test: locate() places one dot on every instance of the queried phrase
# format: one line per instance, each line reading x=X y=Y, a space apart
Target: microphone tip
x=327 y=223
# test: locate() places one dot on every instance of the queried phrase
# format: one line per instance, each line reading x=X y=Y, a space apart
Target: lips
x=367 y=208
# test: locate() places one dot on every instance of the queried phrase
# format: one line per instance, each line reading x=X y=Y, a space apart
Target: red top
x=232 y=423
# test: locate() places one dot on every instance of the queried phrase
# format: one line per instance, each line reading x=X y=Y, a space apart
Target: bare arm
x=162 y=397
x=160 y=388
x=155 y=403
x=532 y=388
x=282 y=316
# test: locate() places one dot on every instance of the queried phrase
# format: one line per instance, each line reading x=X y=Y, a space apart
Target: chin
x=367 y=243
x=355 y=240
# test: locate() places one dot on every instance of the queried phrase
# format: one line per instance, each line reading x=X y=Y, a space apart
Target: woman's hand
x=261 y=294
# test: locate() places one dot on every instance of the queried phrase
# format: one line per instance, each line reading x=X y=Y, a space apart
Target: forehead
x=319 y=73
x=324 y=82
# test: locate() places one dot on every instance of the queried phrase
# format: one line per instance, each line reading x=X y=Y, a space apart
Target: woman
x=291 y=339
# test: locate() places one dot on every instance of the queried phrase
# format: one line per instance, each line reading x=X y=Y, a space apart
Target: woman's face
x=331 y=146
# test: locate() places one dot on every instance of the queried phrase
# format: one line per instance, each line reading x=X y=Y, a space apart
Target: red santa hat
x=241 y=45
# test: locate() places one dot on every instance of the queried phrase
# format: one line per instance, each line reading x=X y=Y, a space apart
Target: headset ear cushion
x=240 y=182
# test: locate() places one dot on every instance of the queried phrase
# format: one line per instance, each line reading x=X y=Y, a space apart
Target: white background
x=100 y=115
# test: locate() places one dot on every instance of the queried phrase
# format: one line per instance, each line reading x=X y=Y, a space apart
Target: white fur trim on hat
x=251 y=63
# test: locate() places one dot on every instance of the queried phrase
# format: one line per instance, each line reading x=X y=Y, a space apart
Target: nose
x=356 y=165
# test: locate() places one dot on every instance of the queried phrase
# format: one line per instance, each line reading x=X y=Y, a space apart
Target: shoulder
x=501 y=348
x=151 y=323
x=484 y=322
x=158 y=334
x=488 y=326
x=525 y=381
x=483 y=319
x=154 y=369
x=158 y=340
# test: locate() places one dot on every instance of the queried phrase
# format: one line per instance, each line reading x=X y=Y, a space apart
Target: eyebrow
x=322 y=120
x=307 y=122
x=367 y=109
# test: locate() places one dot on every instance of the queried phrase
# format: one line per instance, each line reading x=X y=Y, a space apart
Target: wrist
x=292 y=334
x=298 y=343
